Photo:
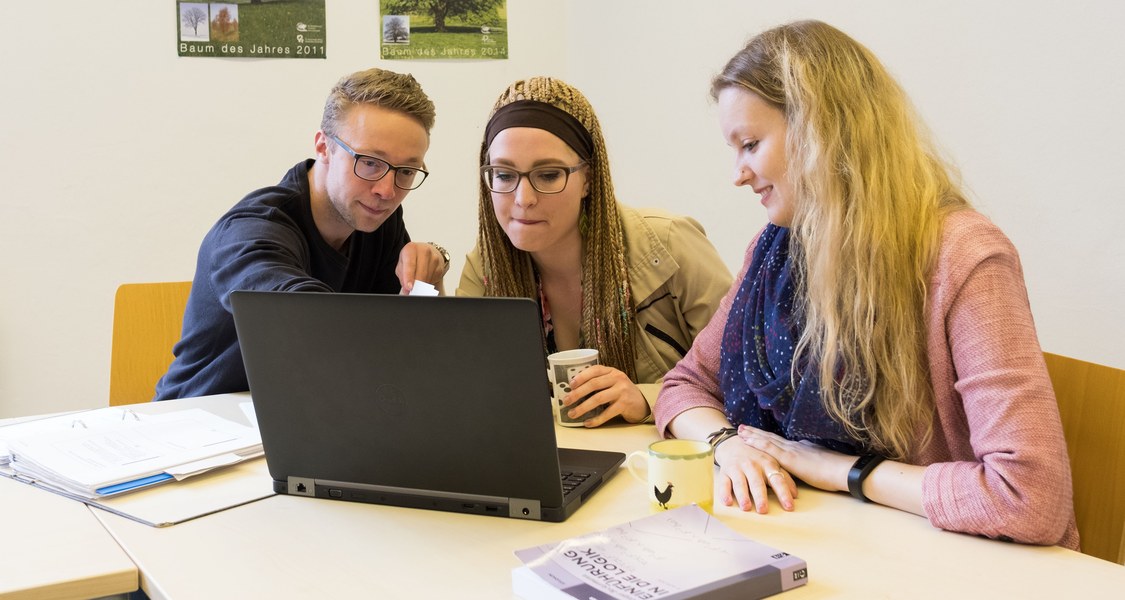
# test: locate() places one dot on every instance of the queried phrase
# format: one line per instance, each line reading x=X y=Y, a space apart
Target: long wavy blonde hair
x=871 y=197
x=607 y=306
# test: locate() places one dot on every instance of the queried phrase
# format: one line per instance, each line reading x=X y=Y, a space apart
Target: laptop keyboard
x=571 y=480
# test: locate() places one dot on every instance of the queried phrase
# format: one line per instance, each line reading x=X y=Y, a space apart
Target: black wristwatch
x=859 y=472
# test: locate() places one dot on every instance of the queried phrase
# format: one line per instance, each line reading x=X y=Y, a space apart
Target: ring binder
x=112 y=451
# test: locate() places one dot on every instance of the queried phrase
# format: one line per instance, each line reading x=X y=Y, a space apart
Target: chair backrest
x=147 y=322
x=1091 y=401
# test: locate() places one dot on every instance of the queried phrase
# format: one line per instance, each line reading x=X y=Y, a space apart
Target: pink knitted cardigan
x=996 y=464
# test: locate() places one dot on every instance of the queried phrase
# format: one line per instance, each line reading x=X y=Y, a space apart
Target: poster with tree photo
x=443 y=29
x=251 y=28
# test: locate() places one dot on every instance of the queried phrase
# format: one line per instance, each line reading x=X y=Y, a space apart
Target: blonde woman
x=879 y=339
x=637 y=285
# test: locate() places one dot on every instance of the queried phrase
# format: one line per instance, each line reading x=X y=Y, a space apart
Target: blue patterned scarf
x=757 y=354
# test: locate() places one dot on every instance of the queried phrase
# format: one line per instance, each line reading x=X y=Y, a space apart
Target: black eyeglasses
x=372 y=168
x=545 y=180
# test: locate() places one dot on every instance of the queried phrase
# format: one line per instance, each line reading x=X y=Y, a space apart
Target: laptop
x=425 y=402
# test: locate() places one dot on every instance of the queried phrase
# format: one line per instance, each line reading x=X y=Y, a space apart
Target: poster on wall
x=251 y=28
x=443 y=29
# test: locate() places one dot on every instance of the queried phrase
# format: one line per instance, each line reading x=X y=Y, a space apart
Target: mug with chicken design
x=676 y=473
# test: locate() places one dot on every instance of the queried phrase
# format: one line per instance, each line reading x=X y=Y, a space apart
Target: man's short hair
x=377 y=87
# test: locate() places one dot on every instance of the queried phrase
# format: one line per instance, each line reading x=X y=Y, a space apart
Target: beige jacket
x=677 y=280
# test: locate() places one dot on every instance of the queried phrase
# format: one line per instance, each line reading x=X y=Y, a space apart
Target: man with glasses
x=332 y=224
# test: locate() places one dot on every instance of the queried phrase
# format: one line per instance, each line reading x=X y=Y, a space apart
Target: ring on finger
x=770 y=475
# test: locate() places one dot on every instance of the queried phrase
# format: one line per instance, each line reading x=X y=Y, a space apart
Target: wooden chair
x=147 y=321
x=1091 y=401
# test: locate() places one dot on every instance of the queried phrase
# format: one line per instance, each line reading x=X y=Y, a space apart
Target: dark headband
x=540 y=115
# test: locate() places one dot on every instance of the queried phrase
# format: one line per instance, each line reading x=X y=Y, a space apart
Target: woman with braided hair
x=637 y=285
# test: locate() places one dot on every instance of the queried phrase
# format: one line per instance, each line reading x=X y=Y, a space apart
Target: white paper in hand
x=421 y=288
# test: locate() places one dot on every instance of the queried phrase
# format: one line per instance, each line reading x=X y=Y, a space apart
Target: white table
x=55 y=548
x=284 y=547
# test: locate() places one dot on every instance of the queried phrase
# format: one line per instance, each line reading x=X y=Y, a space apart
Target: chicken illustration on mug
x=662 y=498
x=684 y=467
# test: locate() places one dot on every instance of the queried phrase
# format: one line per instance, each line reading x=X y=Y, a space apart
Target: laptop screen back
x=427 y=393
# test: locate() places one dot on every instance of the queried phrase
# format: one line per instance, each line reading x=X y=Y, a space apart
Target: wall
x=1024 y=97
x=116 y=156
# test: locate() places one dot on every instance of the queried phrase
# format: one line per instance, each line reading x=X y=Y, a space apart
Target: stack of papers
x=102 y=453
x=82 y=419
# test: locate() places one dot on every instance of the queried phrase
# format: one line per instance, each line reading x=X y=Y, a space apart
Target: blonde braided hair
x=607 y=304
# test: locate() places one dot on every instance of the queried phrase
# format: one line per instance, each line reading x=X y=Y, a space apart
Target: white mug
x=563 y=367
x=679 y=472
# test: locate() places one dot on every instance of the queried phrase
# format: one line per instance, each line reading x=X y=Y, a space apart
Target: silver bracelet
x=717 y=437
x=444 y=254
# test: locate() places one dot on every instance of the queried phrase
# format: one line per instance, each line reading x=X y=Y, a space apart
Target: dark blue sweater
x=268 y=241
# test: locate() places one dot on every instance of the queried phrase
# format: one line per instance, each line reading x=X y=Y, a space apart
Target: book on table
x=681 y=553
x=105 y=452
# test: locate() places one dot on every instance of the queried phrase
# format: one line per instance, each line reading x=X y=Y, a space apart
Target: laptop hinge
x=518 y=508
x=521 y=508
x=404 y=490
